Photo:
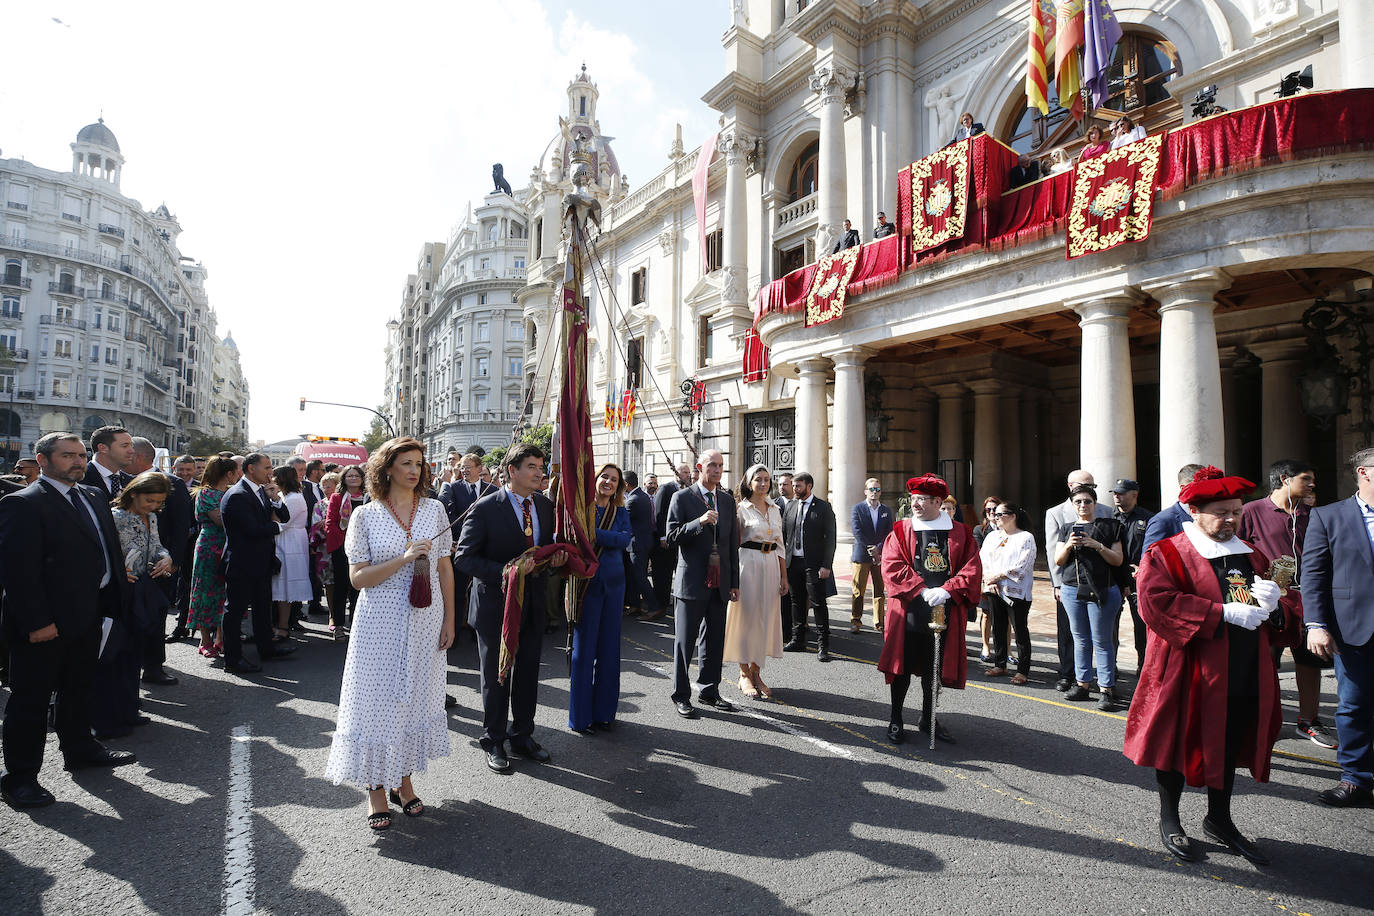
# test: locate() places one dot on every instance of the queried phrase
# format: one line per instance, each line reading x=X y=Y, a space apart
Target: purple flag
x=1101 y=33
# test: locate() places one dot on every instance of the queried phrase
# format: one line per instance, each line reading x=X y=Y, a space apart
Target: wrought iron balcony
x=64 y=289
x=75 y=323
x=14 y=353
x=11 y=282
x=110 y=229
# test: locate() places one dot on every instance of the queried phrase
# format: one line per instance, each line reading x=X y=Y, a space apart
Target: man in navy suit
x=639 y=591
x=870 y=522
x=1169 y=522
x=62 y=571
x=1338 y=611
x=457 y=496
x=664 y=561
x=173 y=524
x=112 y=449
x=808 y=534
x=701 y=525
x=253 y=514
x=501 y=526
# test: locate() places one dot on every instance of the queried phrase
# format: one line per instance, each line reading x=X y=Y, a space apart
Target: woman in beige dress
x=753 y=624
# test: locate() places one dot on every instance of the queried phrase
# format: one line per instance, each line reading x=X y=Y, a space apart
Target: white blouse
x=1012 y=555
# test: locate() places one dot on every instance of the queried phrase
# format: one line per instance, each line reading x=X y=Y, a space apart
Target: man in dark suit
x=848 y=239
x=112 y=448
x=1024 y=172
x=501 y=526
x=808 y=534
x=173 y=523
x=701 y=525
x=1169 y=522
x=62 y=571
x=457 y=496
x=786 y=493
x=253 y=514
x=1338 y=611
x=870 y=522
x=664 y=560
x=967 y=128
x=639 y=591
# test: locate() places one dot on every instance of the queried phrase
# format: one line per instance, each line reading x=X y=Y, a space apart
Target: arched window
x=1141 y=64
x=802 y=181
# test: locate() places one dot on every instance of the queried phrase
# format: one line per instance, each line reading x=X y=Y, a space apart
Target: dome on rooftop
x=99 y=135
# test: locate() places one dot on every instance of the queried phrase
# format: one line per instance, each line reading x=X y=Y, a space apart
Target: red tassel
x=420 y=594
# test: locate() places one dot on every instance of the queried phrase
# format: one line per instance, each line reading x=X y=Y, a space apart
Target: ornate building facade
x=1005 y=368
x=101 y=317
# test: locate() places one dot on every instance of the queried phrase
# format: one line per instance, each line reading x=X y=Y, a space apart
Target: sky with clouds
x=310 y=149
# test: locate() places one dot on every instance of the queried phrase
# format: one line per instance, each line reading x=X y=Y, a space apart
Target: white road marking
x=237 y=896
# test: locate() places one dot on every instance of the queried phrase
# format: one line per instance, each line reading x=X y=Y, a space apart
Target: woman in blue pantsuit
x=594 y=693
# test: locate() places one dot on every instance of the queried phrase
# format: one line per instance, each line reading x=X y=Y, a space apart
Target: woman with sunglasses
x=1126 y=131
x=1008 y=556
x=1088 y=548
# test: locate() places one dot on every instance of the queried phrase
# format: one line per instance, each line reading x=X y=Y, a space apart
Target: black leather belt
x=756 y=545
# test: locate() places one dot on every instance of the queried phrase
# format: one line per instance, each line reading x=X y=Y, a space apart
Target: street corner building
x=103 y=320
x=1195 y=296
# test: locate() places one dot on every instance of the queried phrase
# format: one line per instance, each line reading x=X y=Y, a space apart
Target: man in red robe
x=1208 y=697
x=931 y=570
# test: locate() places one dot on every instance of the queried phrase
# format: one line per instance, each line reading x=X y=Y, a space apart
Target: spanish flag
x=1040 y=54
x=1068 y=42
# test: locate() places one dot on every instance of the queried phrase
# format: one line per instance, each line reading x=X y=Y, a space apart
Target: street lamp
x=1327 y=384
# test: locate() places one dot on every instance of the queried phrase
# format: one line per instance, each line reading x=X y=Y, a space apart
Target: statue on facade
x=498 y=178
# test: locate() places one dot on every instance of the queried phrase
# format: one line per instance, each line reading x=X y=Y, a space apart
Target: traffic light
x=302 y=405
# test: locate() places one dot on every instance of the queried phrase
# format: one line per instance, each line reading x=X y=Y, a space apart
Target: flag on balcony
x=699 y=176
x=940 y=196
x=1068 y=43
x=830 y=286
x=1113 y=197
x=1102 y=34
x=627 y=406
x=606 y=420
x=1040 y=55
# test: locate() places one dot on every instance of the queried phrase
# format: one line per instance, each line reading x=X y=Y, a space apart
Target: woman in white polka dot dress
x=391 y=706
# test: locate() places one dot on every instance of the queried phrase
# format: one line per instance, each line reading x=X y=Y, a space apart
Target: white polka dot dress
x=391 y=705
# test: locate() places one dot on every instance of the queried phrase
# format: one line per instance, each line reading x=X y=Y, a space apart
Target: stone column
x=812 y=455
x=849 y=446
x=1009 y=442
x=1190 y=414
x=829 y=82
x=1283 y=426
x=951 y=439
x=923 y=454
x=735 y=146
x=987 y=456
x=1107 y=398
x=1356 y=44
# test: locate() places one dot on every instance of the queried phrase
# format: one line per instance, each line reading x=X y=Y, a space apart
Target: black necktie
x=266 y=503
x=81 y=509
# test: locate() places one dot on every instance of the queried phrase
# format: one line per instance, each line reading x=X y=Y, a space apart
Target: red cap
x=1210 y=484
x=928 y=484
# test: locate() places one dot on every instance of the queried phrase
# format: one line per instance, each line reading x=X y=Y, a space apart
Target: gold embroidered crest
x=934 y=560
x=1237 y=588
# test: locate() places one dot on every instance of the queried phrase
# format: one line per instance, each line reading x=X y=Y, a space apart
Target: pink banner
x=704 y=160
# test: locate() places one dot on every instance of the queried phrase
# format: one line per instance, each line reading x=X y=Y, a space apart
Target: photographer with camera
x=1088 y=548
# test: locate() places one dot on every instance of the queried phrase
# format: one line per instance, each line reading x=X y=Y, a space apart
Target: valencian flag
x=574 y=503
x=1102 y=32
x=1040 y=55
x=627 y=407
x=1113 y=197
x=1068 y=40
x=606 y=419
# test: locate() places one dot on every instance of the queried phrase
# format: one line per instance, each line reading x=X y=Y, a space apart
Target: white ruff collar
x=1211 y=549
x=941 y=522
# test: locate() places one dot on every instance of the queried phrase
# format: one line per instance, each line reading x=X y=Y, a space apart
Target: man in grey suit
x=701 y=525
x=1055 y=519
x=1338 y=611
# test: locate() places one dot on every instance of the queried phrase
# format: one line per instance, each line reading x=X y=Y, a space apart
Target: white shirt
x=105 y=475
x=798 y=543
x=1012 y=555
x=1130 y=136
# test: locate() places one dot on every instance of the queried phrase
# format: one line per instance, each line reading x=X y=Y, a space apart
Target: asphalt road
x=794 y=805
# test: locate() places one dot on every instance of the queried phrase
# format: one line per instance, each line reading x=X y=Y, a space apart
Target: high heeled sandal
x=412 y=808
x=746 y=687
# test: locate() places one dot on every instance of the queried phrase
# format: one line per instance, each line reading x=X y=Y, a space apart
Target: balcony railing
x=110 y=297
x=71 y=216
x=156 y=380
x=16 y=282
x=64 y=289
x=76 y=323
x=136 y=338
x=109 y=229
x=171 y=364
x=798 y=209
x=16 y=205
x=16 y=353
x=80 y=254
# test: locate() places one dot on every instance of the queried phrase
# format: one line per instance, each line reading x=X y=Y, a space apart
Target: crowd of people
x=95 y=556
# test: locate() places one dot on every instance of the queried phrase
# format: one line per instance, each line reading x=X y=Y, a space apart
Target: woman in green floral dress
x=207 y=569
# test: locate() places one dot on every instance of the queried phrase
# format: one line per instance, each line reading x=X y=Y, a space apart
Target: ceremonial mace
x=937 y=624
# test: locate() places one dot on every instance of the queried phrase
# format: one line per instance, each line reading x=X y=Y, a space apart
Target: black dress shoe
x=604 y=726
x=159 y=677
x=1064 y=684
x=242 y=667
x=822 y=654
x=450 y=701
x=177 y=634
x=282 y=650
x=1347 y=795
x=101 y=758
x=685 y=709
x=1232 y=839
x=136 y=721
x=717 y=703
x=26 y=795
x=588 y=731
x=101 y=734
x=530 y=750
x=896 y=732
x=497 y=759
x=941 y=733
x=1076 y=693
x=1178 y=844
x=795 y=646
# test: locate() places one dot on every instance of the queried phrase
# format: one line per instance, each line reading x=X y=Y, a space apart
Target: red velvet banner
x=830 y=286
x=940 y=197
x=1113 y=197
x=1031 y=212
